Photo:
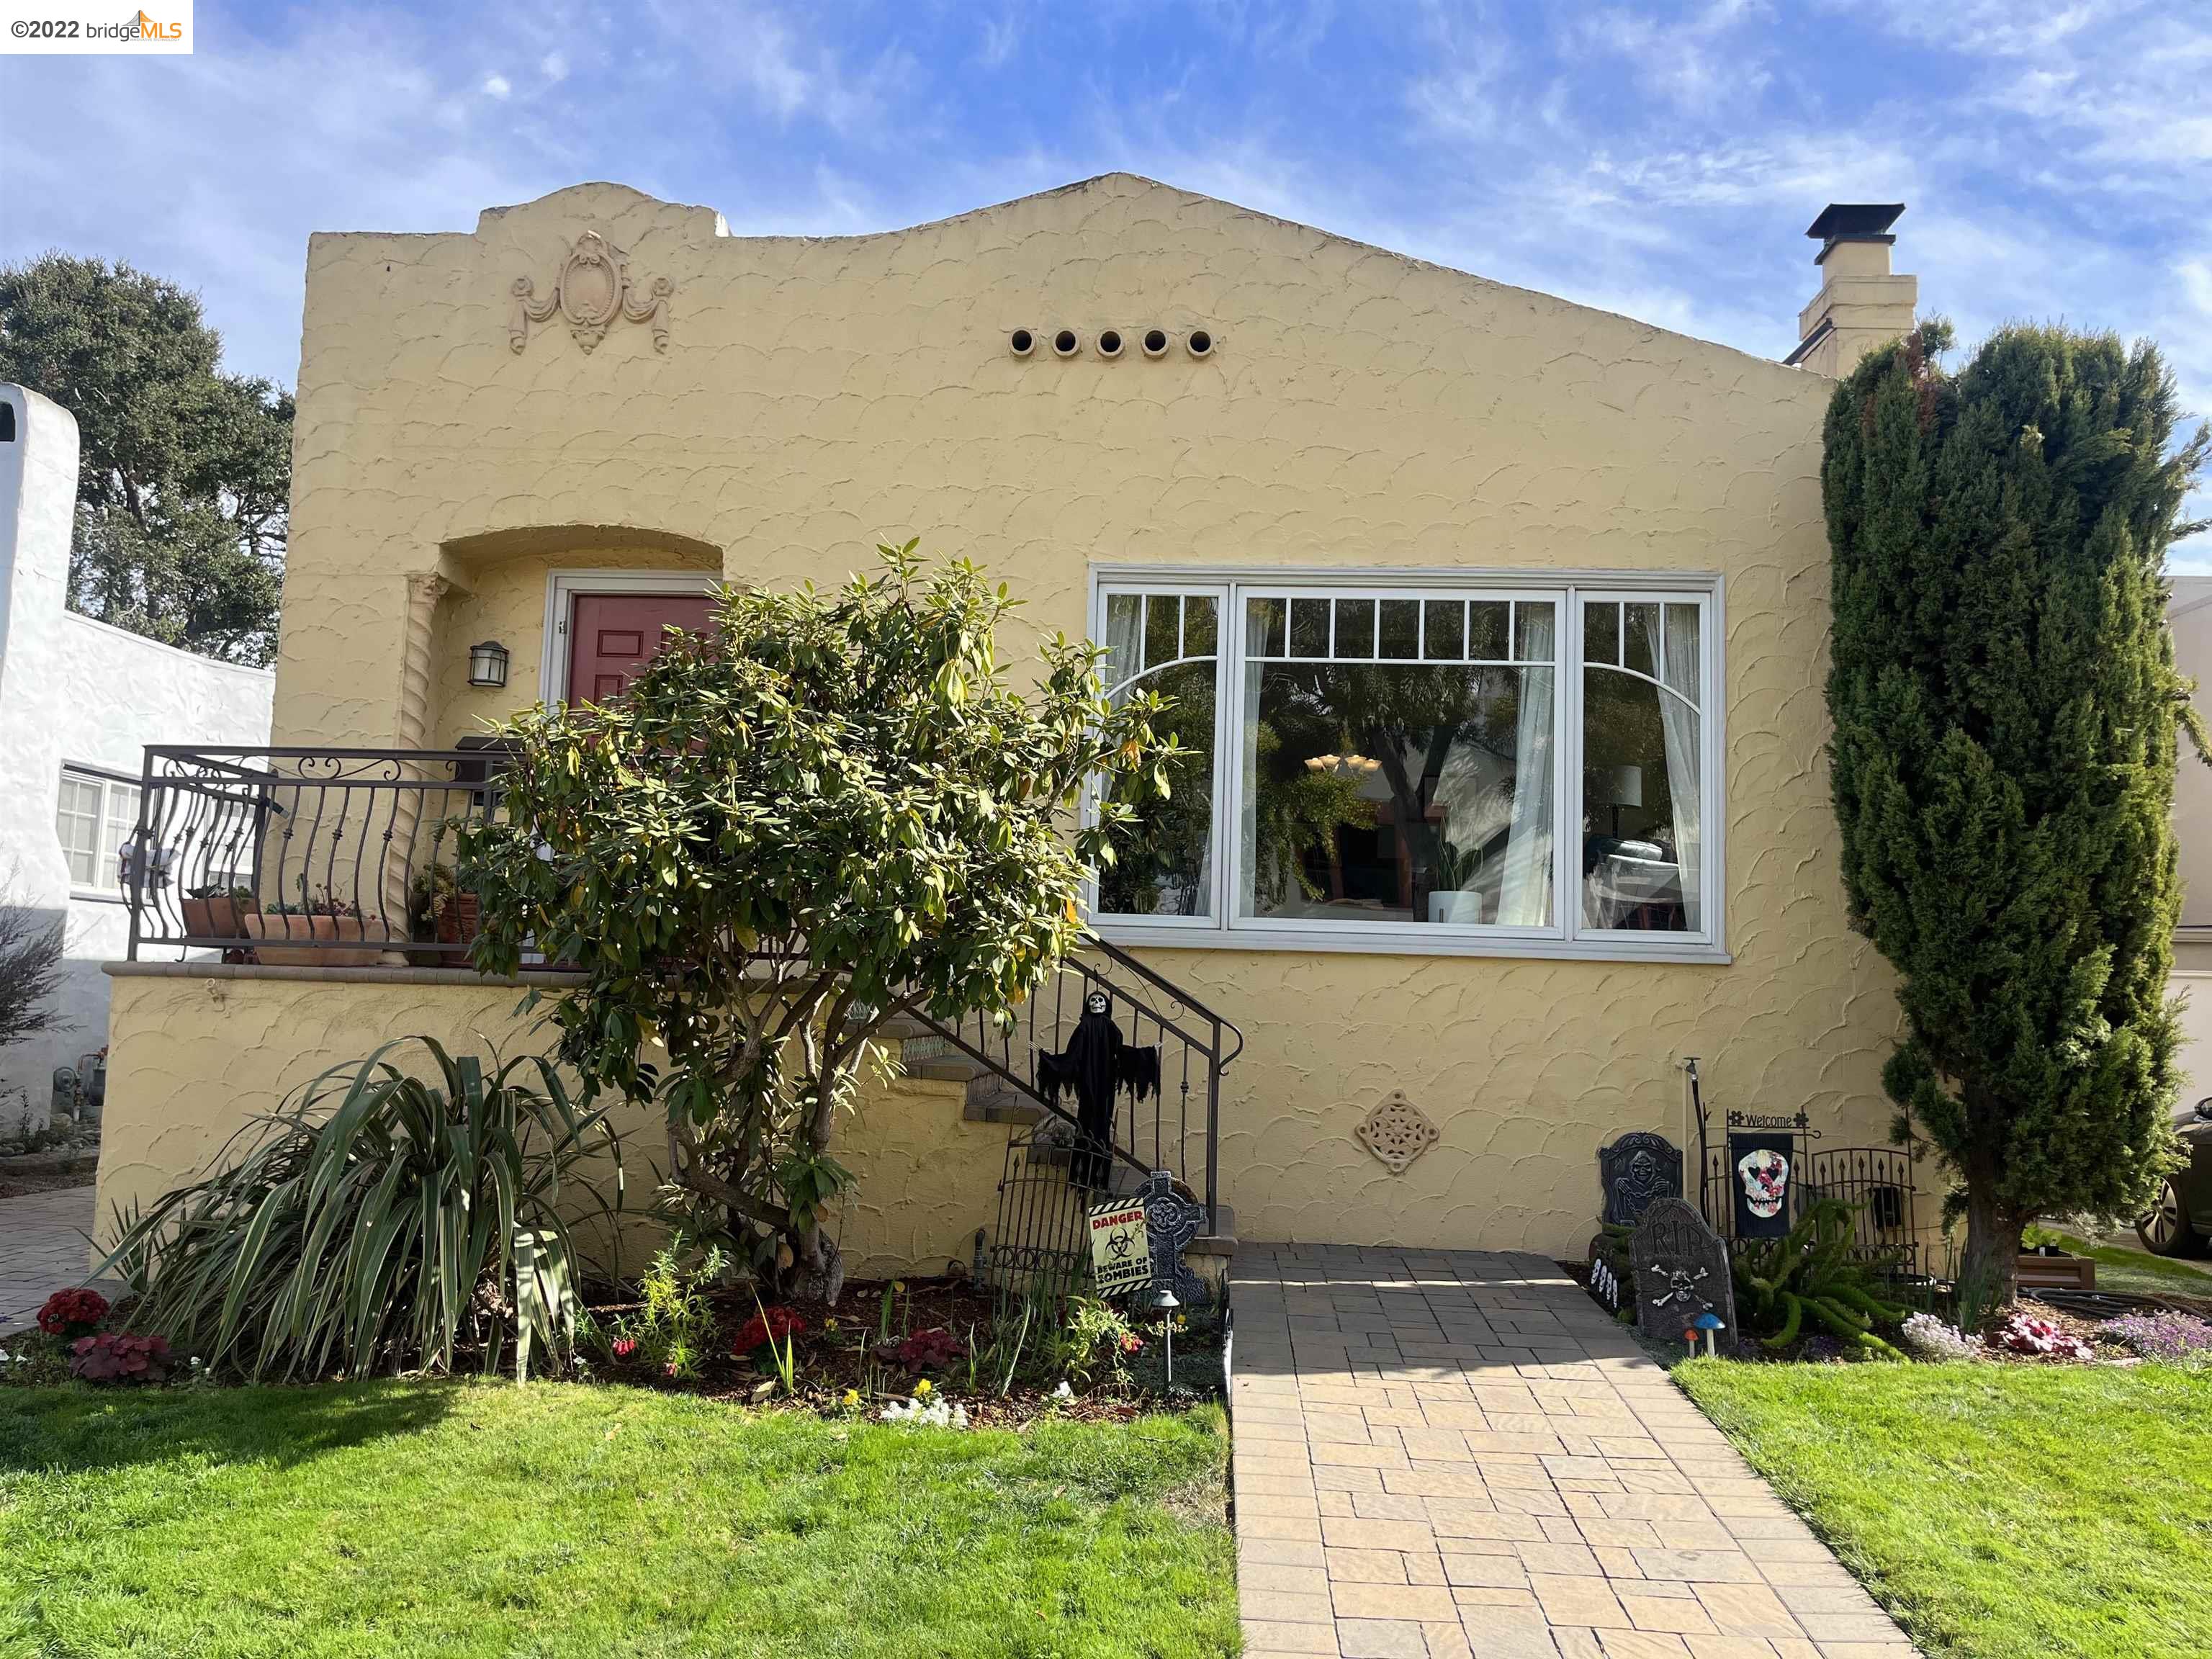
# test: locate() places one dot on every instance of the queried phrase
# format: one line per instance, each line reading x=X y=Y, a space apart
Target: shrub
x=1812 y=1273
x=375 y=1219
x=2023 y=1333
x=672 y=1330
x=72 y=1313
x=119 y=1356
x=2176 y=1338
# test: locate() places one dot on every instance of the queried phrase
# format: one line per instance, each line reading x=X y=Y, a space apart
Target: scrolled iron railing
x=305 y=856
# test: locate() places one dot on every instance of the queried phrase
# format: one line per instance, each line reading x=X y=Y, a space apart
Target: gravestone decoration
x=1172 y=1220
x=1636 y=1172
x=1761 y=1165
x=1682 y=1274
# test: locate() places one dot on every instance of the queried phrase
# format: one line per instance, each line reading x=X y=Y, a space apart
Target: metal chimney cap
x=1855 y=222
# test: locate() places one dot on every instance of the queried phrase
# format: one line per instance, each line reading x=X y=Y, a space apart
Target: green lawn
x=459 y=1520
x=1999 y=1510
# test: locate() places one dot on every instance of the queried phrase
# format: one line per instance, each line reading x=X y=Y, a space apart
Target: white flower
x=1932 y=1338
x=1063 y=1392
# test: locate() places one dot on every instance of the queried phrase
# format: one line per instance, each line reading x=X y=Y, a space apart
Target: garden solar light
x=1166 y=1303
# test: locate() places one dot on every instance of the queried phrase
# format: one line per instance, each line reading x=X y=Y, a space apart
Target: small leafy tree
x=2007 y=711
x=826 y=801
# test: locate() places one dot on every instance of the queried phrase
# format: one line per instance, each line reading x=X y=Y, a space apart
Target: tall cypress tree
x=2007 y=712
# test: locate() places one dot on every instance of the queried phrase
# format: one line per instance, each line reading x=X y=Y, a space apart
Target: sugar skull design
x=1765 y=1174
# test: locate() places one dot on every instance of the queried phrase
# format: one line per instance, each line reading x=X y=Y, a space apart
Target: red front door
x=612 y=635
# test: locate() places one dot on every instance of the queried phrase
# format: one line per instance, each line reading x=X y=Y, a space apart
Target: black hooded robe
x=1096 y=1065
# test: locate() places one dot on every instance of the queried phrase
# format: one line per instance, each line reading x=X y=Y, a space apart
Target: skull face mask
x=1766 y=1177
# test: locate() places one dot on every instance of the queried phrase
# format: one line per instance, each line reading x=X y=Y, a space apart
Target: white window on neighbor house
x=1440 y=763
x=94 y=819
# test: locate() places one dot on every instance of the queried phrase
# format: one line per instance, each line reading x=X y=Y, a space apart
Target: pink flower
x=625 y=1346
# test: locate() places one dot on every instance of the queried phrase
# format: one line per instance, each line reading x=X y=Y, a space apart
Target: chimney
x=1860 y=305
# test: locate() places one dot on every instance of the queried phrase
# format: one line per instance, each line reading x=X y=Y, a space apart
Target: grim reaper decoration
x=1097 y=1065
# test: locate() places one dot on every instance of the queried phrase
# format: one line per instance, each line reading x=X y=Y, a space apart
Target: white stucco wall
x=76 y=692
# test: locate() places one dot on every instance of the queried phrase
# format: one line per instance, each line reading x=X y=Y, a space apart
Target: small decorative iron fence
x=305 y=856
x=1737 y=1183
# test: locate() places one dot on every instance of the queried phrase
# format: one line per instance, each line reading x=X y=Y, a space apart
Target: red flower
x=72 y=1313
x=625 y=1346
x=774 y=1326
x=1132 y=1343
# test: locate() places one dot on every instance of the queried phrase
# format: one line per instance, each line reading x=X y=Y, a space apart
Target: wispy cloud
x=1655 y=158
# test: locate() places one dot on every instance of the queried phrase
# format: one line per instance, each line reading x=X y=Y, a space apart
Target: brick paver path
x=42 y=1248
x=1457 y=1453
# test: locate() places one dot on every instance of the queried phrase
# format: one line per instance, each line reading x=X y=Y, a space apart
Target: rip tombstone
x=1682 y=1272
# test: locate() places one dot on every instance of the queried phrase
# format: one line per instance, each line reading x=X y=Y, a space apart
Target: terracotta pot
x=216 y=917
x=303 y=929
x=459 y=918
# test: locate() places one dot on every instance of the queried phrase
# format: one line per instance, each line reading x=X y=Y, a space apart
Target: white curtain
x=1124 y=633
x=1247 y=828
x=1525 y=898
x=1679 y=719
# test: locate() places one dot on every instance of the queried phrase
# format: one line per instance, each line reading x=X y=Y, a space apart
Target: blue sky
x=1660 y=161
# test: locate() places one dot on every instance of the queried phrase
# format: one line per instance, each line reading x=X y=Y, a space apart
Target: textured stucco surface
x=193 y=1059
x=1361 y=410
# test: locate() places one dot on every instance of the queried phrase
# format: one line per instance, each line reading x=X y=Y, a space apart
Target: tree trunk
x=1988 y=1272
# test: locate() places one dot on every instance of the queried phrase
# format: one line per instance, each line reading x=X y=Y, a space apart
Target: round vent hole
x=1064 y=342
x=1201 y=343
x=1023 y=341
x=1156 y=342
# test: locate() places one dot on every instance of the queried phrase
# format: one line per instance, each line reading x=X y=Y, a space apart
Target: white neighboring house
x=79 y=700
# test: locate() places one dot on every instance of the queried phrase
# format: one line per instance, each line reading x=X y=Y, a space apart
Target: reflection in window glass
x=1165 y=643
x=76 y=822
x=1397 y=792
x=1642 y=747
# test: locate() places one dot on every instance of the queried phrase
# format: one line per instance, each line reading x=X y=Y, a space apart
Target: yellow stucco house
x=1501 y=619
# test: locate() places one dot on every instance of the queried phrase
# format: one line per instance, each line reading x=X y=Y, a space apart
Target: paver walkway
x=1457 y=1453
x=42 y=1248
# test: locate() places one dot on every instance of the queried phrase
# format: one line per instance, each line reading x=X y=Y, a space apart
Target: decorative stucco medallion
x=1397 y=1131
x=591 y=290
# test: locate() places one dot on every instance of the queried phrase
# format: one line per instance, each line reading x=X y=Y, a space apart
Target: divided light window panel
x=1422 y=763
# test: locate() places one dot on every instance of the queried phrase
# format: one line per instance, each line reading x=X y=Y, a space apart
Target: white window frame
x=103 y=858
x=1567 y=936
x=564 y=587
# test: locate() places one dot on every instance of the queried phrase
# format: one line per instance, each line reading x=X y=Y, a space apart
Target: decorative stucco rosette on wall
x=593 y=289
x=1397 y=1131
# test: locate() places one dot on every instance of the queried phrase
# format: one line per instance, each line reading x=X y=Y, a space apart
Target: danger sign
x=1121 y=1248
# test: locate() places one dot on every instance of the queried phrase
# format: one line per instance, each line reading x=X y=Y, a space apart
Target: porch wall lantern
x=488 y=663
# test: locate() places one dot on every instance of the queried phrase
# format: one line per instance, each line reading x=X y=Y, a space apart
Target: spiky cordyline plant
x=377 y=1219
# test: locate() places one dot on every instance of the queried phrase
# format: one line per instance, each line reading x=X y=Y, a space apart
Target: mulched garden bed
x=850 y=1350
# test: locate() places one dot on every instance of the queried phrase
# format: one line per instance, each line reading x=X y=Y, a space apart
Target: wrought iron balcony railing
x=305 y=856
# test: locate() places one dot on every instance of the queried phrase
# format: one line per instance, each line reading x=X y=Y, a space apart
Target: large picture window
x=1443 y=763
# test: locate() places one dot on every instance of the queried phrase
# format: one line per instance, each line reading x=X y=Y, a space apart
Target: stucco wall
x=76 y=692
x=194 y=1058
x=1362 y=410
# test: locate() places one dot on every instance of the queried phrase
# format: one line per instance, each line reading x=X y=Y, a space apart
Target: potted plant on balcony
x=443 y=910
x=325 y=932
x=217 y=912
